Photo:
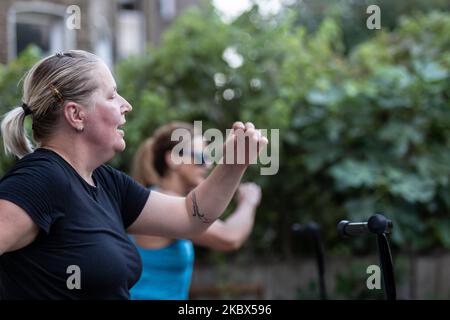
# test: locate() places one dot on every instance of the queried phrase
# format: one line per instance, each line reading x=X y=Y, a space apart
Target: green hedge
x=360 y=132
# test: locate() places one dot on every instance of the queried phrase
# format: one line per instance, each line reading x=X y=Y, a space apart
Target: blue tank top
x=166 y=272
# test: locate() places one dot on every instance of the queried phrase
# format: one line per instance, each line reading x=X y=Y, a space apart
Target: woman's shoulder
x=111 y=177
x=40 y=164
x=35 y=177
x=107 y=172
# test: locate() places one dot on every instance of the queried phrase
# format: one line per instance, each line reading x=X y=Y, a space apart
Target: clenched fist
x=249 y=193
x=243 y=144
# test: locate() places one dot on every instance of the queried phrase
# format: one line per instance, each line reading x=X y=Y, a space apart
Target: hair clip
x=61 y=54
x=56 y=93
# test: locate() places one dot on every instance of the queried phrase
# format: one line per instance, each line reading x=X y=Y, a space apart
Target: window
x=130 y=29
x=128 y=5
x=41 y=24
x=168 y=9
x=42 y=30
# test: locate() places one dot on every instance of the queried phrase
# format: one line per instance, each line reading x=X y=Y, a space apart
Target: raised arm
x=17 y=230
x=231 y=233
x=178 y=217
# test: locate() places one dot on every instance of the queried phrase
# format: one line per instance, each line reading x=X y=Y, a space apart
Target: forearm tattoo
x=196 y=211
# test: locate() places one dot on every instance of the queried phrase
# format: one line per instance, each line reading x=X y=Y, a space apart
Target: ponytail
x=15 y=138
x=143 y=170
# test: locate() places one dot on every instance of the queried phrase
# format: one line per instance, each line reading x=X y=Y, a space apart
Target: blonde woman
x=64 y=214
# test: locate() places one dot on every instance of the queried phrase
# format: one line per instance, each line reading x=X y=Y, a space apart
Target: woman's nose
x=126 y=106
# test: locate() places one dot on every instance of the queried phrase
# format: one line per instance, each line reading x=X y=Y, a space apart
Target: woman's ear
x=75 y=114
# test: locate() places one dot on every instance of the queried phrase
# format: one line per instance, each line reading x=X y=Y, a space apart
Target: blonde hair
x=47 y=86
x=149 y=162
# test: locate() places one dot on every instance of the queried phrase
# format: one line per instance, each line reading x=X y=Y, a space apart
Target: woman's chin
x=120 y=147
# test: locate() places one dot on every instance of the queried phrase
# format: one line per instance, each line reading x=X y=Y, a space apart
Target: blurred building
x=113 y=29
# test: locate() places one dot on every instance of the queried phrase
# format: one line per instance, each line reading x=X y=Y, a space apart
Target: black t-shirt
x=82 y=231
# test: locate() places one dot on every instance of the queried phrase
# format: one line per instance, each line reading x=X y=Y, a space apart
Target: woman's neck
x=76 y=157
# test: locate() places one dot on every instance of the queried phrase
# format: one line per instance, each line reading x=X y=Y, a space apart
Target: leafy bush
x=360 y=131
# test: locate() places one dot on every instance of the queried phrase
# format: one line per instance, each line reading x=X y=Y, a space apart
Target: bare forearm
x=208 y=200
x=240 y=223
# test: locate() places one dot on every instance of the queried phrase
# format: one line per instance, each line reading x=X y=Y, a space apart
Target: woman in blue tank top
x=166 y=272
x=168 y=263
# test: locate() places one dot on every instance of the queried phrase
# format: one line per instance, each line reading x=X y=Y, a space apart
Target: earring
x=80 y=129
